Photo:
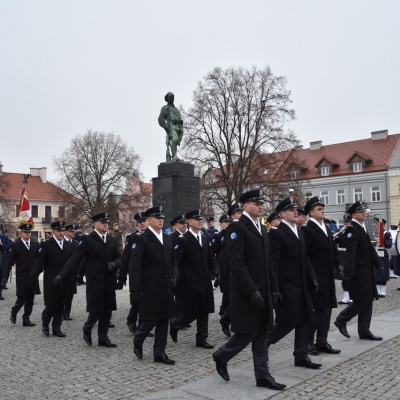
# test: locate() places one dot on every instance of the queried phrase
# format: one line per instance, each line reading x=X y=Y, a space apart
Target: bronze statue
x=170 y=119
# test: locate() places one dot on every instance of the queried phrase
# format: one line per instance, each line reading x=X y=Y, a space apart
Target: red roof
x=36 y=190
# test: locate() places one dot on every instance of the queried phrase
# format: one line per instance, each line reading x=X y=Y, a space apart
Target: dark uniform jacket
x=218 y=246
x=295 y=276
x=195 y=265
x=51 y=259
x=126 y=255
x=361 y=258
x=151 y=268
x=324 y=257
x=250 y=270
x=100 y=282
x=24 y=260
x=70 y=284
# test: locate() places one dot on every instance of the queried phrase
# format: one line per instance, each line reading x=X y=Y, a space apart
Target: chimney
x=1 y=168
x=298 y=147
x=378 y=135
x=42 y=172
x=316 y=145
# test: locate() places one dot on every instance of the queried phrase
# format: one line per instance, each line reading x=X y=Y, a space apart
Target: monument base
x=179 y=188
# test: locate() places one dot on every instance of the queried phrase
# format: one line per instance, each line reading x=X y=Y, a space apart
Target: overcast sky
x=69 y=66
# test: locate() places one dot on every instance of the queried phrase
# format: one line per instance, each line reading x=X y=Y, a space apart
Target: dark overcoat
x=126 y=255
x=324 y=258
x=218 y=246
x=250 y=271
x=361 y=258
x=295 y=276
x=70 y=284
x=151 y=268
x=100 y=282
x=388 y=243
x=195 y=265
x=24 y=260
x=51 y=260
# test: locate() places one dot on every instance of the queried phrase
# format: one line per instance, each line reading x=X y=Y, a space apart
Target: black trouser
x=364 y=311
x=68 y=305
x=27 y=302
x=104 y=321
x=55 y=312
x=202 y=325
x=320 y=326
x=301 y=338
x=225 y=310
x=238 y=342
x=133 y=314
x=160 y=335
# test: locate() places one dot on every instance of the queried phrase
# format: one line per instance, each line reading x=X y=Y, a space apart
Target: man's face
x=116 y=228
x=236 y=214
x=101 y=227
x=302 y=220
x=58 y=234
x=79 y=231
x=346 y=224
x=195 y=224
x=360 y=216
x=318 y=213
x=156 y=222
x=254 y=208
x=210 y=224
x=290 y=215
x=224 y=224
x=142 y=224
x=170 y=98
x=25 y=236
x=276 y=222
x=69 y=234
x=181 y=226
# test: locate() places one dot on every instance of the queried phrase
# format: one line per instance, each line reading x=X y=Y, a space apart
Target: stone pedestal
x=179 y=187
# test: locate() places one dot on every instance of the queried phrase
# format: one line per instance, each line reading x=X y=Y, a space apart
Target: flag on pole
x=25 y=215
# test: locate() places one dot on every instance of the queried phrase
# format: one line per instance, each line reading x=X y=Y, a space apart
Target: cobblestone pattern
x=37 y=367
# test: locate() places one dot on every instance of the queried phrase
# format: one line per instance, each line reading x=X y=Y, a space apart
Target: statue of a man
x=170 y=119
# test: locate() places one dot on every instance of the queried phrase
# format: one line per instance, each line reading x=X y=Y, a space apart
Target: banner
x=25 y=215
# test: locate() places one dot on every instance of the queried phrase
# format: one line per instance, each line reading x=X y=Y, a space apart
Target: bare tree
x=238 y=115
x=95 y=174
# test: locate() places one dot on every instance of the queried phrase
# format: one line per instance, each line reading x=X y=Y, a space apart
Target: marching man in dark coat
x=296 y=280
x=23 y=253
x=101 y=252
x=53 y=255
x=324 y=258
x=361 y=258
x=251 y=289
x=152 y=275
x=196 y=262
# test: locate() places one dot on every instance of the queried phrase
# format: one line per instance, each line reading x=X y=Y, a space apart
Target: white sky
x=67 y=66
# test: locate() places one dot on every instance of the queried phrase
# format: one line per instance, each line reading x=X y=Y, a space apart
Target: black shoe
x=205 y=345
x=270 y=383
x=13 y=318
x=312 y=350
x=226 y=331
x=45 y=330
x=342 y=328
x=1 y=296
x=106 y=343
x=4 y=287
x=343 y=302
x=173 y=332
x=221 y=368
x=132 y=328
x=327 y=349
x=27 y=322
x=110 y=325
x=79 y=280
x=150 y=334
x=58 y=333
x=369 y=336
x=164 y=360
x=381 y=296
x=138 y=351
x=307 y=363
x=87 y=336
x=66 y=317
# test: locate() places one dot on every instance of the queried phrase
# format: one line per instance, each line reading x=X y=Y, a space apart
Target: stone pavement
x=37 y=367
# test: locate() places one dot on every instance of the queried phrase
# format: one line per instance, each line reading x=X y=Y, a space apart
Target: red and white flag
x=25 y=215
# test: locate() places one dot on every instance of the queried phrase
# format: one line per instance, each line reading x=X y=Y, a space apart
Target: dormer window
x=326 y=170
x=295 y=174
x=357 y=166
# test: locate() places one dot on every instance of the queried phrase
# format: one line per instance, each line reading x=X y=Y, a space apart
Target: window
x=358 y=194
x=61 y=211
x=324 y=195
x=47 y=212
x=266 y=171
x=341 y=199
x=357 y=166
x=309 y=195
x=376 y=193
x=325 y=170
x=35 y=211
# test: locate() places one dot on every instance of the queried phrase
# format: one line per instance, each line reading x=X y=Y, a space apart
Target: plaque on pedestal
x=179 y=188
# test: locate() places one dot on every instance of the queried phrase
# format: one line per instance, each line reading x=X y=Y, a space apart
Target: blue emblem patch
x=126 y=243
x=176 y=247
x=223 y=238
x=349 y=235
x=234 y=235
x=80 y=242
x=134 y=246
x=212 y=241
